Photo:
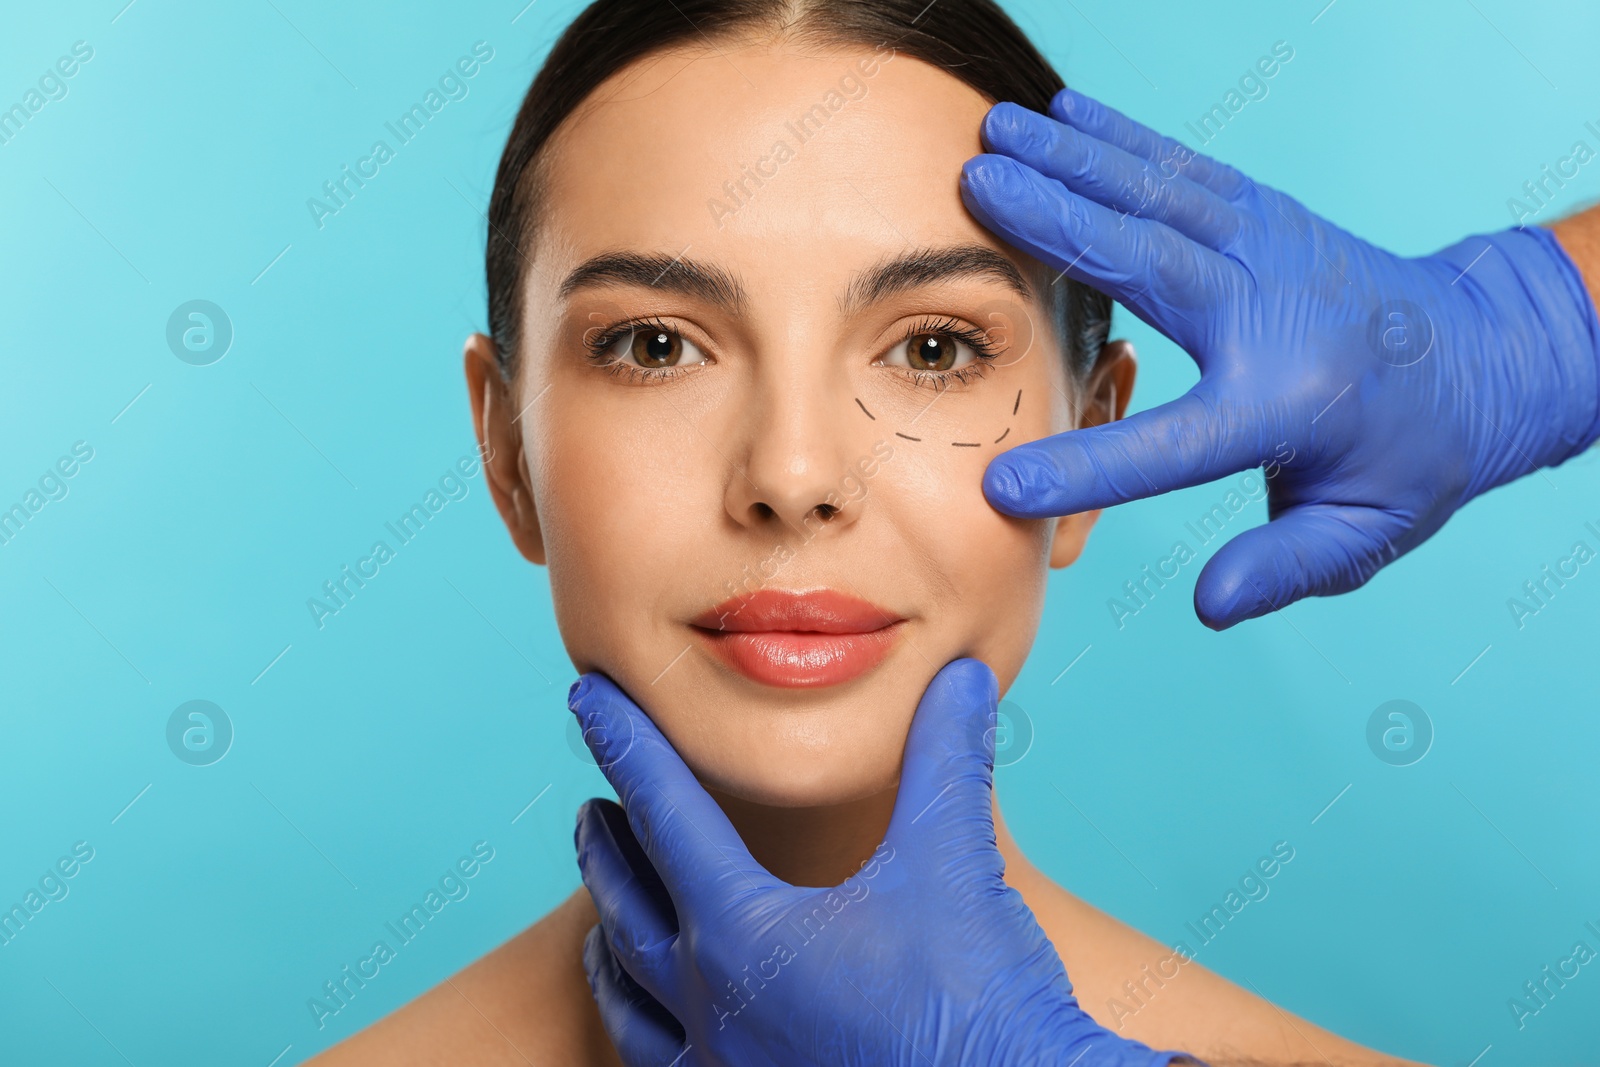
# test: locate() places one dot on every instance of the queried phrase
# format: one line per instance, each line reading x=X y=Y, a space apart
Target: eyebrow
x=683 y=276
x=927 y=265
x=672 y=274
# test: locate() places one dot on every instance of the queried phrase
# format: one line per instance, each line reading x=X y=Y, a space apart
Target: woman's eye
x=931 y=352
x=654 y=348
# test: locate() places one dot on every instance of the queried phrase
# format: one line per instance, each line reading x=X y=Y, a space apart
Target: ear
x=498 y=425
x=1106 y=393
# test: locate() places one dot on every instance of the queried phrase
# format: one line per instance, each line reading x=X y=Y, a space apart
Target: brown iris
x=654 y=348
x=931 y=351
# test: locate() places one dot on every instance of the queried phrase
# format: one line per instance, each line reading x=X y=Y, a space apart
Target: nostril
x=825 y=511
x=762 y=511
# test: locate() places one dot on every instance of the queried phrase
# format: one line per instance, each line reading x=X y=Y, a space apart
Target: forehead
x=834 y=157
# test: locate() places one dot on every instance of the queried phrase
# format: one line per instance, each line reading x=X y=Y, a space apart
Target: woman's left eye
x=931 y=350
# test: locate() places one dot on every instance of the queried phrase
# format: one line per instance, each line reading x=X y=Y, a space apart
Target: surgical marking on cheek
x=1015 y=406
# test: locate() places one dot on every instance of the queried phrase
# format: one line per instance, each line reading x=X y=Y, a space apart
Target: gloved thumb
x=1188 y=441
x=947 y=777
x=1309 y=550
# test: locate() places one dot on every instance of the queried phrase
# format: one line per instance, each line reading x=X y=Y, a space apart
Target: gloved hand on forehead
x=1383 y=391
x=923 y=956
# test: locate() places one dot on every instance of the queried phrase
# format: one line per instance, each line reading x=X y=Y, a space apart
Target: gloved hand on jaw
x=924 y=955
x=1388 y=391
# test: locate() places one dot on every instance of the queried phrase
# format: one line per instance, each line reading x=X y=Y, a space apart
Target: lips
x=798 y=640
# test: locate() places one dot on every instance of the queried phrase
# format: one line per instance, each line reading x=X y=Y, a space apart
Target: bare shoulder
x=526 y=1002
x=1142 y=989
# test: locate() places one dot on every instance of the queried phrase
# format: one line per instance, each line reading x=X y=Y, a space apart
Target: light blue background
x=429 y=713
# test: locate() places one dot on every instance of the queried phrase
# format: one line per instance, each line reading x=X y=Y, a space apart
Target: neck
x=822 y=846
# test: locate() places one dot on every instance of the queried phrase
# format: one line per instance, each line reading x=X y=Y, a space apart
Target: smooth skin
x=646 y=499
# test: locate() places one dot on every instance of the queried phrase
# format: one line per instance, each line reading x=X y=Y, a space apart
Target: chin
x=826 y=780
x=793 y=748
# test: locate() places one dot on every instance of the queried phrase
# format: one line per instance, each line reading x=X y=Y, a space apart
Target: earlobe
x=1108 y=388
x=500 y=444
x=1072 y=533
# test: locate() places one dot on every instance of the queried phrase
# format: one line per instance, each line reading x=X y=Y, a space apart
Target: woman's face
x=766 y=357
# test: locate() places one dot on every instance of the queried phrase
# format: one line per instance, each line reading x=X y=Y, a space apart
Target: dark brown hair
x=971 y=40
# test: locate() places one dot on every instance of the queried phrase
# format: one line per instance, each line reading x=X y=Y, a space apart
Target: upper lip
x=821 y=611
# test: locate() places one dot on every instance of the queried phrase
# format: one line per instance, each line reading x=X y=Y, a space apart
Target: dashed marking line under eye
x=1015 y=405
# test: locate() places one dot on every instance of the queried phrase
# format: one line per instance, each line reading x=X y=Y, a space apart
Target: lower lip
x=801 y=660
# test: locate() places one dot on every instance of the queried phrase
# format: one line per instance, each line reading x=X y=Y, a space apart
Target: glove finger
x=946 y=779
x=1186 y=442
x=1097 y=120
x=1160 y=275
x=1107 y=174
x=644 y=1033
x=1309 y=550
x=634 y=907
x=687 y=838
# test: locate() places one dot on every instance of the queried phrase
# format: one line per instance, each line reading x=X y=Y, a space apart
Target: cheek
x=997 y=567
x=621 y=504
x=984 y=572
x=994 y=567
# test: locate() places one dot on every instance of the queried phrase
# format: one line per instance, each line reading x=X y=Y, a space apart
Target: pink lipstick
x=799 y=640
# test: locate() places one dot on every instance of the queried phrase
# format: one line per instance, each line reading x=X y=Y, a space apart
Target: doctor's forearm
x=1579 y=236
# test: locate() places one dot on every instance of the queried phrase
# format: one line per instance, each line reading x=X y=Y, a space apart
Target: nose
x=797 y=474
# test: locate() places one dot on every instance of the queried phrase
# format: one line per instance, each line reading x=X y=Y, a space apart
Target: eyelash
x=599 y=349
x=983 y=347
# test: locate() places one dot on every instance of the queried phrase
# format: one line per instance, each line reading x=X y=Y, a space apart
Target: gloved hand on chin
x=923 y=956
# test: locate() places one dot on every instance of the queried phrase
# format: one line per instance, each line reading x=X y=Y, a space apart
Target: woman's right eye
x=651 y=347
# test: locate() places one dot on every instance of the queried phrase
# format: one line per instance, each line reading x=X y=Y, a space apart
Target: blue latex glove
x=923 y=956
x=1382 y=393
